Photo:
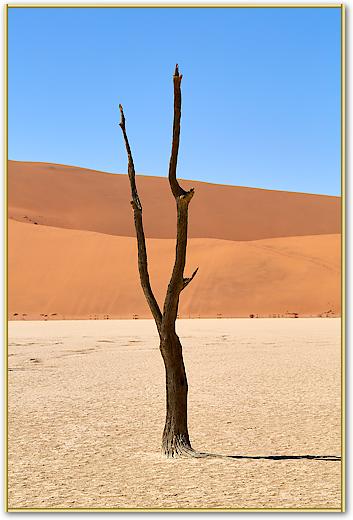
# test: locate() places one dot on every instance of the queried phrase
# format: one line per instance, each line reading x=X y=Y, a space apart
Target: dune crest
x=78 y=198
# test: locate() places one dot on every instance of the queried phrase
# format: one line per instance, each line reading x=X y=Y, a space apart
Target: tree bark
x=175 y=436
x=175 y=440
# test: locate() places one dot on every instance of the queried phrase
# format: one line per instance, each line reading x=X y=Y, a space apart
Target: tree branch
x=140 y=235
x=186 y=281
x=176 y=284
x=177 y=281
x=175 y=187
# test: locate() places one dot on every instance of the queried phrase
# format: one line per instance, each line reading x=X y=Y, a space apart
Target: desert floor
x=87 y=405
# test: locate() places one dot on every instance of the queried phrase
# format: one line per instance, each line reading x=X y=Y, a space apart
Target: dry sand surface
x=86 y=413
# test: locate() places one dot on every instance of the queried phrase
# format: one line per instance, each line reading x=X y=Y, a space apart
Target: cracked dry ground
x=86 y=413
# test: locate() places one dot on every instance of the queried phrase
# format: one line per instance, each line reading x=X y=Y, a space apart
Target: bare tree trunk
x=175 y=435
x=175 y=440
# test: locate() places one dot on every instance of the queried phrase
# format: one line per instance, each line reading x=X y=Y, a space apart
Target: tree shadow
x=199 y=454
x=287 y=457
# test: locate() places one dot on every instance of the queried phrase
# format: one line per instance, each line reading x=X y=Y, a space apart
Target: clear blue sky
x=261 y=92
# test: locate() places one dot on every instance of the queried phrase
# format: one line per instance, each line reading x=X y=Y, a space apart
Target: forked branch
x=140 y=235
x=166 y=322
x=175 y=439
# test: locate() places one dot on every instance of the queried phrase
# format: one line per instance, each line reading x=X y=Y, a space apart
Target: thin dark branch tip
x=186 y=281
x=194 y=273
x=122 y=117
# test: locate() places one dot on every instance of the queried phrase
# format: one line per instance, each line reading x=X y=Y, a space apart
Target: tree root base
x=185 y=451
x=179 y=446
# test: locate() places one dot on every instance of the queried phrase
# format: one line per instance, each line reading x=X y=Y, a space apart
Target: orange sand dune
x=77 y=198
x=81 y=274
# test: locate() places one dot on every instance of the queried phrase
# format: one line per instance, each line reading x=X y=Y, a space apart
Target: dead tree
x=175 y=439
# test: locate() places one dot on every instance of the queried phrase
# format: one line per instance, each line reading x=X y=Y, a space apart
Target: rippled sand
x=86 y=414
